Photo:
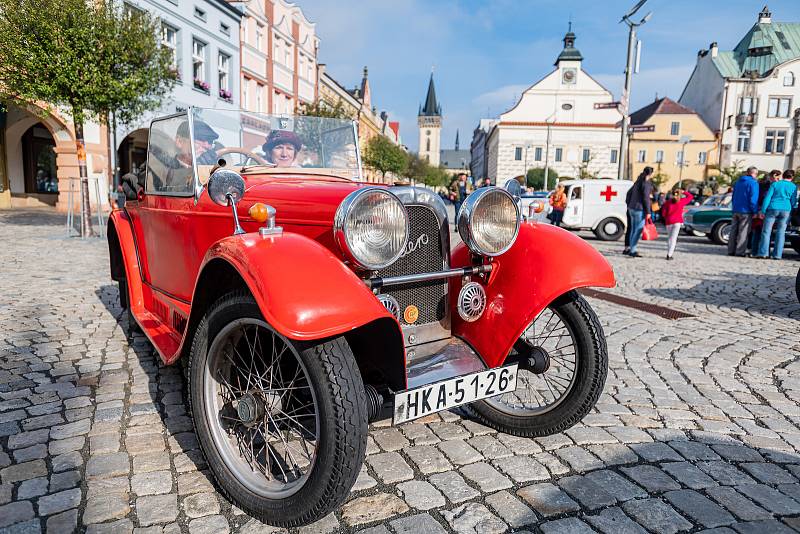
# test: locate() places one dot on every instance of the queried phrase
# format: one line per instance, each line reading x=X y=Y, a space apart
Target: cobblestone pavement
x=697 y=428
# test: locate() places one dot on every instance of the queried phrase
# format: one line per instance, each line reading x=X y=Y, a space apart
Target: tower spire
x=456 y=138
x=431 y=108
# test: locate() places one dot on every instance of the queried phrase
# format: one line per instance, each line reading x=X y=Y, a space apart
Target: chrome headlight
x=371 y=228
x=488 y=222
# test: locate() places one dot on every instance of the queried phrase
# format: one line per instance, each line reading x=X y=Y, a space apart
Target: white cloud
x=500 y=99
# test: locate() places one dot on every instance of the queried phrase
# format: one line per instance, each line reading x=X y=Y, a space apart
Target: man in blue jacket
x=745 y=205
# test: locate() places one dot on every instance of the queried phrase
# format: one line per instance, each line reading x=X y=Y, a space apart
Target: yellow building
x=680 y=147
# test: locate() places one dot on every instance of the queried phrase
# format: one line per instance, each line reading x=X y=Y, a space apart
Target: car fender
x=544 y=263
x=126 y=265
x=303 y=290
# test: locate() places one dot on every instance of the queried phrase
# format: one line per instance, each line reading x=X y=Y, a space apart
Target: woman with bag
x=672 y=212
x=639 y=209
x=559 y=202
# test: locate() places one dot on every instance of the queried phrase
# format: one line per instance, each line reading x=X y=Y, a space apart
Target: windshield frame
x=199 y=186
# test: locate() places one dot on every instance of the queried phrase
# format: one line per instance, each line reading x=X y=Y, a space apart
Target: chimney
x=765 y=17
x=714 y=49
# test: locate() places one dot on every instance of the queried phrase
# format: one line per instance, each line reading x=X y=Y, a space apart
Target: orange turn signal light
x=538 y=207
x=258 y=212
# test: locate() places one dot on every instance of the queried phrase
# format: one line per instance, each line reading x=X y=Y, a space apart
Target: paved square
x=697 y=427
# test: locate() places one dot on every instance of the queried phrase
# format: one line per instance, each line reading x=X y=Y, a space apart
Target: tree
x=382 y=155
x=321 y=108
x=726 y=177
x=659 y=179
x=87 y=57
x=535 y=178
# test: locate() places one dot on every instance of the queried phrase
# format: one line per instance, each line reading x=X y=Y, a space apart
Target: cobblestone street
x=697 y=428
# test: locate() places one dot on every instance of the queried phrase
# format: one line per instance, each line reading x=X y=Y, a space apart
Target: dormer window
x=788 y=79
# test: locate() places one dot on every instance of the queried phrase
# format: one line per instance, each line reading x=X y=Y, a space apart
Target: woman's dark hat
x=280 y=137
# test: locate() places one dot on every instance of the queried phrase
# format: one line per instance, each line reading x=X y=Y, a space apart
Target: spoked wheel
x=563 y=363
x=284 y=434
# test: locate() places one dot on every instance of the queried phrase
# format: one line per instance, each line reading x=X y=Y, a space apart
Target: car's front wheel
x=721 y=233
x=563 y=362
x=283 y=426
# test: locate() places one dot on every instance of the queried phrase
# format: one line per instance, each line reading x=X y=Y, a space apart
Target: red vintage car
x=305 y=302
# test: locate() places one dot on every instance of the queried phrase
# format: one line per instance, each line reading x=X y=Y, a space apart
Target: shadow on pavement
x=33 y=217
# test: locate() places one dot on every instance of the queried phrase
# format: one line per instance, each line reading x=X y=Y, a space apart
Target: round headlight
x=371 y=228
x=488 y=222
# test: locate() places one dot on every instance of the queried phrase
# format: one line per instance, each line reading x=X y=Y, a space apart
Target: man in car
x=204 y=137
x=172 y=171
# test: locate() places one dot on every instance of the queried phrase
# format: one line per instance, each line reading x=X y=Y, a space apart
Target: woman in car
x=282 y=147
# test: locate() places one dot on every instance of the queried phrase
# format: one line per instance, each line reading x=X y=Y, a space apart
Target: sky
x=485 y=54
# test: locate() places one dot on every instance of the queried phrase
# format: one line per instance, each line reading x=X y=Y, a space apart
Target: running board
x=441 y=360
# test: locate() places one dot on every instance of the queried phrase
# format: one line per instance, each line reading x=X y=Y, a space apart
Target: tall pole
x=547 y=158
x=625 y=102
x=683 y=163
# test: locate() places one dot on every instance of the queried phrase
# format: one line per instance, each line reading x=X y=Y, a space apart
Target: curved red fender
x=303 y=290
x=544 y=263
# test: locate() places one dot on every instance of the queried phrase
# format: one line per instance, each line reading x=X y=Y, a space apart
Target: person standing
x=672 y=213
x=778 y=204
x=558 y=200
x=639 y=209
x=758 y=221
x=744 y=205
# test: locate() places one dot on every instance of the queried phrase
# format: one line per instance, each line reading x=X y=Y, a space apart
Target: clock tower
x=569 y=60
x=429 y=121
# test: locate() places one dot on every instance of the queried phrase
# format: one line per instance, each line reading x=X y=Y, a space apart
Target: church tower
x=429 y=121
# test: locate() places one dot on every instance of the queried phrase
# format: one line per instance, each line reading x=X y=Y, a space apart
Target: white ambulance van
x=597 y=205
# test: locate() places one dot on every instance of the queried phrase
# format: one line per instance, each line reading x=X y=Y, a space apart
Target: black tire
x=795 y=245
x=125 y=303
x=610 y=229
x=340 y=408
x=591 y=357
x=720 y=232
x=797 y=286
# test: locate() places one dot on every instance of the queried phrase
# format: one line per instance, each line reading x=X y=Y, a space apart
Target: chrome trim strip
x=375 y=283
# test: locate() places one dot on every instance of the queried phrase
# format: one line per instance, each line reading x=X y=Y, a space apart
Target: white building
x=559 y=108
x=750 y=95
x=479 y=163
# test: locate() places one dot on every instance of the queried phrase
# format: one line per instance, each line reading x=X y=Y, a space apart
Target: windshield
x=713 y=200
x=285 y=143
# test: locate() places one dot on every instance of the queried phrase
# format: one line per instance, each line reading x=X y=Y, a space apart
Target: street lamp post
x=547 y=158
x=685 y=140
x=625 y=100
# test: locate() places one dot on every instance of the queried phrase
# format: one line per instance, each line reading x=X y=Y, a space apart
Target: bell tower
x=429 y=120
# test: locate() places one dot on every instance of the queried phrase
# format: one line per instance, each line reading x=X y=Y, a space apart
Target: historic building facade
x=478 y=162
x=555 y=121
x=681 y=146
x=751 y=95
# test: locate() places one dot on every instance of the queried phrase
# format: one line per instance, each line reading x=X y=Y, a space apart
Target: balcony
x=745 y=119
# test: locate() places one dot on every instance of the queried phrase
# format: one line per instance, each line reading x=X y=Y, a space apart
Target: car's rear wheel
x=721 y=233
x=563 y=365
x=797 y=286
x=609 y=229
x=282 y=425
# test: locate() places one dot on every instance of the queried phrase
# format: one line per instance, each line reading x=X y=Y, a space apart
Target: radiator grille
x=425 y=255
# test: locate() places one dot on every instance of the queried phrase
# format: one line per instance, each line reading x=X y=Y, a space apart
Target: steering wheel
x=239 y=150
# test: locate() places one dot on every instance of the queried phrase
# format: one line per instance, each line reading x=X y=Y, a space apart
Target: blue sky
x=486 y=53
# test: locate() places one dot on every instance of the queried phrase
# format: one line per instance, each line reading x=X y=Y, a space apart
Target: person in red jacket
x=672 y=212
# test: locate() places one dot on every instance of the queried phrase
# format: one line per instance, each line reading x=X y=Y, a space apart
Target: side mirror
x=226 y=188
x=514 y=188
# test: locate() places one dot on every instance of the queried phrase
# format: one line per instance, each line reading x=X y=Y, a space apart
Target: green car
x=712 y=218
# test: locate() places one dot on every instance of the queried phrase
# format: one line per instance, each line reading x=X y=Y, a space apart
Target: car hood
x=698 y=209
x=301 y=201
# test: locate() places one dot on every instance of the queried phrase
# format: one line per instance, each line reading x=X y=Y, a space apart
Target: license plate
x=418 y=402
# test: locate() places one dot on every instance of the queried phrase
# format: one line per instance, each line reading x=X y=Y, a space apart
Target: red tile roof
x=662 y=106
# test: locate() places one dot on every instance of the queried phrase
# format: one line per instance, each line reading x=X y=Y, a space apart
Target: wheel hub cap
x=537 y=361
x=249 y=409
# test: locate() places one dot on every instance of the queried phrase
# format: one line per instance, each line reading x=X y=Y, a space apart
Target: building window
x=537 y=153
x=775 y=142
x=679 y=158
x=788 y=79
x=779 y=106
x=259 y=97
x=518 y=153
x=132 y=11
x=743 y=141
x=675 y=128
x=748 y=105
x=702 y=158
x=428 y=145
x=224 y=29
x=641 y=156
x=259 y=35
x=587 y=155
x=659 y=156
x=199 y=14
x=169 y=39
x=246 y=93
x=199 y=62
x=614 y=155
x=559 y=154
x=224 y=69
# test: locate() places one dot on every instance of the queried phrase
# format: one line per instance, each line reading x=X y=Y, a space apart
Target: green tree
x=535 y=178
x=659 y=179
x=323 y=109
x=87 y=57
x=382 y=155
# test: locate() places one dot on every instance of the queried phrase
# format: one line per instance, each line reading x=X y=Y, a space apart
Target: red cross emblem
x=608 y=193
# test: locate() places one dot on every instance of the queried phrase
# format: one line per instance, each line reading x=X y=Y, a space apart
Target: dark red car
x=304 y=301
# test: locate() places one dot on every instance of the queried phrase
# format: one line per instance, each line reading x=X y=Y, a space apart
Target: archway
x=132 y=152
x=39 y=171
